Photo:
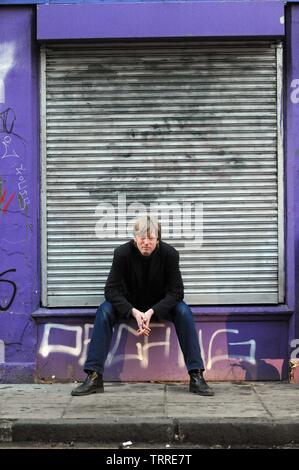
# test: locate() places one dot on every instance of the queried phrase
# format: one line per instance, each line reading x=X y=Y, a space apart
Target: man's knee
x=183 y=310
x=106 y=312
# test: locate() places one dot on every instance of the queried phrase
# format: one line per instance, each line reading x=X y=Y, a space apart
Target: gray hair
x=147 y=225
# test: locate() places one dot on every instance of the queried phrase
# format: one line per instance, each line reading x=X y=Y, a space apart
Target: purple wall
x=238 y=342
x=147 y=20
x=292 y=166
x=19 y=284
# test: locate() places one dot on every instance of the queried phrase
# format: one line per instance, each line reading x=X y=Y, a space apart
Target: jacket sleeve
x=114 y=288
x=175 y=287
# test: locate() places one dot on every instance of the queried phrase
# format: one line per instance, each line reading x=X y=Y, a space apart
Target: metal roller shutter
x=194 y=123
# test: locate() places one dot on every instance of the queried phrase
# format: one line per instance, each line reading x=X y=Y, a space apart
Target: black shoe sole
x=208 y=393
x=82 y=394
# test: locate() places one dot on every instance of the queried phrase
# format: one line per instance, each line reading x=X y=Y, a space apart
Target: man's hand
x=147 y=318
x=140 y=317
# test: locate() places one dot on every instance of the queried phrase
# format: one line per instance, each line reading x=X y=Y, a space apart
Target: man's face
x=146 y=243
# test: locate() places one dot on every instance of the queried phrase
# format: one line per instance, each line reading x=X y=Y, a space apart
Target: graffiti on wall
x=295 y=91
x=8 y=152
x=24 y=200
x=80 y=337
x=10 y=144
x=6 y=302
x=2 y=352
x=13 y=145
x=220 y=357
x=7 y=122
x=142 y=353
x=295 y=352
x=5 y=199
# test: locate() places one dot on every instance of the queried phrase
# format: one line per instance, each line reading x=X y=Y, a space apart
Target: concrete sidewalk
x=240 y=414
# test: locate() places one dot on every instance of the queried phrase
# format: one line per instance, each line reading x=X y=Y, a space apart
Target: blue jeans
x=106 y=318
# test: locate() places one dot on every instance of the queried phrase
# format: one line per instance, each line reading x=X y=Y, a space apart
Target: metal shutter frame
x=202 y=121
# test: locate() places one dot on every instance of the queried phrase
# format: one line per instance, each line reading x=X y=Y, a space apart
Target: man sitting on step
x=144 y=282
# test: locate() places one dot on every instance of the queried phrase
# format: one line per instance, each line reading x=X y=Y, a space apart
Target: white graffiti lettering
x=22 y=184
x=295 y=353
x=87 y=328
x=142 y=350
x=8 y=153
x=295 y=92
x=2 y=352
x=110 y=358
x=46 y=348
x=202 y=350
x=221 y=357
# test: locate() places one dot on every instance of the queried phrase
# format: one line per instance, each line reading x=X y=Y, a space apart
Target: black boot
x=198 y=384
x=92 y=384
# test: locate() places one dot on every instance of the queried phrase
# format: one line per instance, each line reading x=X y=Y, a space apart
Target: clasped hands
x=143 y=321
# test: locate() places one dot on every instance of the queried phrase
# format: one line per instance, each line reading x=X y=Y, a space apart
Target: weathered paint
x=266 y=335
x=148 y=20
x=19 y=291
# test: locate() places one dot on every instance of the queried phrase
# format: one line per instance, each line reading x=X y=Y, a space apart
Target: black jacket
x=165 y=281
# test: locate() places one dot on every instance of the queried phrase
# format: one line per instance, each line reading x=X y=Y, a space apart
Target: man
x=144 y=280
